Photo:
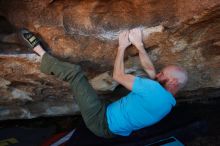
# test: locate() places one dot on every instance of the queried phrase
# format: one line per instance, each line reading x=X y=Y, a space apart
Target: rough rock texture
x=185 y=32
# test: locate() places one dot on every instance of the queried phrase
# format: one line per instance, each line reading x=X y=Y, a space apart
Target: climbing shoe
x=28 y=38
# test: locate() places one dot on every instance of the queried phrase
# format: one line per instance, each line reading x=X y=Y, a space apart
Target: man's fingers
x=135 y=36
x=132 y=32
x=135 y=30
x=127 y=34
x=123 y=33
x=120 y=34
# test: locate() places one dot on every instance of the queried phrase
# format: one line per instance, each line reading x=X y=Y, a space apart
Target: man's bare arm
x=119 y=75
x=135 y=37
x=146 y=62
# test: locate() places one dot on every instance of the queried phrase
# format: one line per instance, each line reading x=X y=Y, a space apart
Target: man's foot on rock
x=39 y=50
x=31 y=41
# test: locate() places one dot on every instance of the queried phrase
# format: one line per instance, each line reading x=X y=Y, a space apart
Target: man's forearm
x=146 y=62
x=119 y=63
x=119 y=75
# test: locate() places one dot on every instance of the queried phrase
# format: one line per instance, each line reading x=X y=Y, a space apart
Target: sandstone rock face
x=185 y=33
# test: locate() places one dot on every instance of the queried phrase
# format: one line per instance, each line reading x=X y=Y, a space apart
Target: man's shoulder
x=144 y=86
x=145 y=80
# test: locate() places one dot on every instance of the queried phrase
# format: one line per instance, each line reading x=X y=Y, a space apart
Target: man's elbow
x=117 y=77
x=152 y=76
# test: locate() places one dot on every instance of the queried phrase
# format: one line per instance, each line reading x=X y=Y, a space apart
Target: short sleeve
x=143 y=86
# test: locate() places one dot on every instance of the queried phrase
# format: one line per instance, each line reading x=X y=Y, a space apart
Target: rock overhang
x=85 y=32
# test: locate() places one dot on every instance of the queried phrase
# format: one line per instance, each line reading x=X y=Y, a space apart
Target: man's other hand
x=135 y=36
x=123 y=40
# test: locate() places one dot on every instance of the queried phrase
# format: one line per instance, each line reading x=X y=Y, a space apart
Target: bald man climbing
x=146 y=104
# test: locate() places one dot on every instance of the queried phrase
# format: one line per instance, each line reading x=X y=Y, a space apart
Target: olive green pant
x=93 y=109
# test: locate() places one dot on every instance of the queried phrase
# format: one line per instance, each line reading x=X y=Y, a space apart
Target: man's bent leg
x=93 y=110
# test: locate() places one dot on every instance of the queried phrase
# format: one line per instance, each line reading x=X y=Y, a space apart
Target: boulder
x=184 y=33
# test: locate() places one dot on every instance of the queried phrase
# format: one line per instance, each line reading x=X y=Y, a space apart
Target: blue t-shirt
x=145 y=105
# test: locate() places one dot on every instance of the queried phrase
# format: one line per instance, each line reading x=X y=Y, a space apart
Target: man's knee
x=73 y=72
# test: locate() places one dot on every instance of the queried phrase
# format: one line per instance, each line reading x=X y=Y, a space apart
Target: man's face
x=163 y=76
x=170 y=78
